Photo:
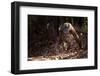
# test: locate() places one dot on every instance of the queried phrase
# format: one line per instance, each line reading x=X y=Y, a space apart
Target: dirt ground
x=49 y=50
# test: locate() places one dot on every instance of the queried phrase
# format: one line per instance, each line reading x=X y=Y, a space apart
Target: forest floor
x=55 y=51
x=70 y=55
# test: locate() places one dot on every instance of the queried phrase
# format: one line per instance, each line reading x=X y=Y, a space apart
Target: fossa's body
x=67 y=33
